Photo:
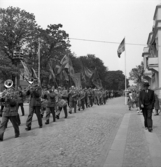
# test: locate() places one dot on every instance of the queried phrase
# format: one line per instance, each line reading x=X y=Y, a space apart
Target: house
x=152 y=54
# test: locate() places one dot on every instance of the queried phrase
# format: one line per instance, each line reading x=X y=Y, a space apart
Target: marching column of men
x=50 y=100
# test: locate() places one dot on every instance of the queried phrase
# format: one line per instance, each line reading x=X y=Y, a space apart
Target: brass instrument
x=31 y=81
x=9 y=92
x=8 y=83
x=32 y=84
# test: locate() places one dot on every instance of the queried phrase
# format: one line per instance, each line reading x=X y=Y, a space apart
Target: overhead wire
x=90 y=40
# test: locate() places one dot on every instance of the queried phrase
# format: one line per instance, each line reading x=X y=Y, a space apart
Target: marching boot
x=156 y=112
x=47 y=122
x=1 y=137
x=54 y=120
x=57 y=116
x=65 y=112
x=28 y=128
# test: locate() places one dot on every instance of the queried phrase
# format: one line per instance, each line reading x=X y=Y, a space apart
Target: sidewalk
x=133 y=146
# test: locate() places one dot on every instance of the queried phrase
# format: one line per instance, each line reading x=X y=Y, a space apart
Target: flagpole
x=39 y=61
x=125 y=76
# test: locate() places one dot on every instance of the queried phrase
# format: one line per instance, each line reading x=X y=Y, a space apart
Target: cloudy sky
x=99 y=20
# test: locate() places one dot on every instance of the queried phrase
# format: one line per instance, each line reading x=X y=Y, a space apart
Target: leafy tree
x=54 y=45
x=17 y=31
x=92 y=62
x=115 y=80
x=137 y=74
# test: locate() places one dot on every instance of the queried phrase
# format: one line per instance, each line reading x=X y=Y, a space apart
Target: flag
x=67 y=63
x=34 y=75
x=65 y=76
x=71 y=70
x=27 y=73
x=51 y=72
x=59 y=69
x=77 y=80
x=83 y=76
x=88 y=72
x=121 y=48
x=96 y=79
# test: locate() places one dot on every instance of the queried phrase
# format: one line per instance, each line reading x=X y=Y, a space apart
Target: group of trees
x=19 y=33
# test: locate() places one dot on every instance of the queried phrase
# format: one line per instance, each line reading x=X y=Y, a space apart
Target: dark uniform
x=147 y=100
x=62 y=103
x=21 y=101
x=72 y=100
x=81 y=100
x=9 y=113
x=50 y=107
x=90 y=97
x=34 y=106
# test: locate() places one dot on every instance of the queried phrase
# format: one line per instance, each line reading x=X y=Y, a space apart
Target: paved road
x=82 y=140
x=134 y=146
x=101 y=136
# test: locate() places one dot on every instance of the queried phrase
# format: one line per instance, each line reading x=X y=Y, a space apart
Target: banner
x=27 y=72
x=96 y=79
x=88 y=72
x=97 y=84
x=66 y=63
x=77 y=80
x=52 y=75
x=34 y=75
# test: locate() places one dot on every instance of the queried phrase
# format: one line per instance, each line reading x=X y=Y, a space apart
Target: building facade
x=152 y=54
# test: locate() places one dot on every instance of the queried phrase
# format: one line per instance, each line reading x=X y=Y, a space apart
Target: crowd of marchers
x=45 y=102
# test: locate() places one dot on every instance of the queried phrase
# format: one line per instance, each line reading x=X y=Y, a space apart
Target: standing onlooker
x=130 y=100
x=137 y=102
x=147 y=100
x=156 y=105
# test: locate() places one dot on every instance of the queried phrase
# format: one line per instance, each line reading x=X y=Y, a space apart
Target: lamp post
x=17 y=56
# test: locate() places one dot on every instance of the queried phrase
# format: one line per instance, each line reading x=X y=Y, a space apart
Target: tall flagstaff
x=125 y=76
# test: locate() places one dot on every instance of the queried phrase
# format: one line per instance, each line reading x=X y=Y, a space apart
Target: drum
x=62 y=103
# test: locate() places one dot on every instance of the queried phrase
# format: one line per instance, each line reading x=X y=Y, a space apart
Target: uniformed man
x=34 y=105
x=9 y=113
x=72 y=99
x=62 y=102
x=81 y=100
x=21 y=100
x=50 y=108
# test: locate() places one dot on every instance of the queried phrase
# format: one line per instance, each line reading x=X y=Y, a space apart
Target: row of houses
x=152 y=54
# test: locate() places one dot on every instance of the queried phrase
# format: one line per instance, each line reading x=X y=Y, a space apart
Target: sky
x=99 y=20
